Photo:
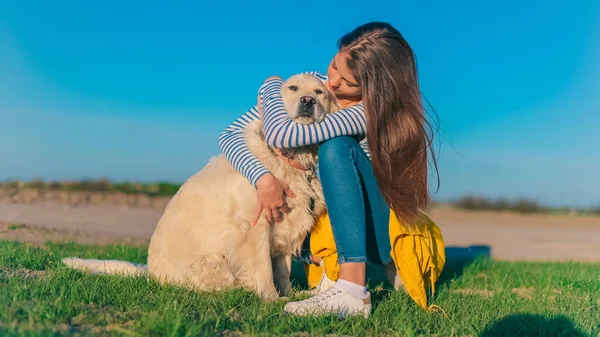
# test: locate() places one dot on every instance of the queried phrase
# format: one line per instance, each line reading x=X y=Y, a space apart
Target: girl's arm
x=233 y=144
x=282 y=132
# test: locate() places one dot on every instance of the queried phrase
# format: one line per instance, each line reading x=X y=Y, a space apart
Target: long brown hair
x=398 y=132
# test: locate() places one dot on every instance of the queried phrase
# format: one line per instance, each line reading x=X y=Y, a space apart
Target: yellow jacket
x=418 y=254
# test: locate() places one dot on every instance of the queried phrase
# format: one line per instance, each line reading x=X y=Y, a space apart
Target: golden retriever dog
x=205 y=240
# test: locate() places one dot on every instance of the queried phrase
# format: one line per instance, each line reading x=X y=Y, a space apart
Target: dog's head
x=307 y=99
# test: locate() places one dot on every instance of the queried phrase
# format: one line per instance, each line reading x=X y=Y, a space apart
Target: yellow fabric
x=418 y=254
x=322 y=245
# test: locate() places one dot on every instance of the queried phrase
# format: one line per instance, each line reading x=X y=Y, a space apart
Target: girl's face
x=341 y=81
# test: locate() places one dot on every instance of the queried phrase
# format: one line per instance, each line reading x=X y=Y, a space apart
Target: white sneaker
x=331 y=301
x=324 y=284
x=393 y=277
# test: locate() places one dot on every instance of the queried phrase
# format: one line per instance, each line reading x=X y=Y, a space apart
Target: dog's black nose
x=307 y=101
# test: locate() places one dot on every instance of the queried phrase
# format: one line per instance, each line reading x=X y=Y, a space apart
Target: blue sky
x=141 y=92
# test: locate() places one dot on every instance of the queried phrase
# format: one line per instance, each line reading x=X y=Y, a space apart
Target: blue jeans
x=358 y=213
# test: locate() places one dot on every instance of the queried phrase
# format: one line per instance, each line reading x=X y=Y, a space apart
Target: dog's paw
x=270 y=296
x=271 y=299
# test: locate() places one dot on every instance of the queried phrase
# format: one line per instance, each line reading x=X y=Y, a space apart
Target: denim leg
x=359 y=215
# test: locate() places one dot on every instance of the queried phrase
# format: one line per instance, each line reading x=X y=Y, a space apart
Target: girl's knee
x=335 y=148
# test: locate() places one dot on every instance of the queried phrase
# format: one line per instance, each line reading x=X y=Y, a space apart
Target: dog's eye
x=293 y=87
x=319 y=91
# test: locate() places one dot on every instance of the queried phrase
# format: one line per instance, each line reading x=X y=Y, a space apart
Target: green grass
x=14 y=226
x=158 y=189
x=524 y=206
x=40 y=297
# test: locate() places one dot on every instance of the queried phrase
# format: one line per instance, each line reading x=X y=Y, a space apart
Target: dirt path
x=87 y=224
x=507 y=236
x=523 y=237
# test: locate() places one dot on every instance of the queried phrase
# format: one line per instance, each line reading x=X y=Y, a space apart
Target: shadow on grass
x=459 y=258
x=532 y=325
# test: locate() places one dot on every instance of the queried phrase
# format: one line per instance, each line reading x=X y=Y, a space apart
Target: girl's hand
x=270 y=194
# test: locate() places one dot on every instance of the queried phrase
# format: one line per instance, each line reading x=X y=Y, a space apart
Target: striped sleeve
x=233 y=145
x=282 y=132
x=319 y=75
x=365 y=146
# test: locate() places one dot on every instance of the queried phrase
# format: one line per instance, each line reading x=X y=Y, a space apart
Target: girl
x=372 y=157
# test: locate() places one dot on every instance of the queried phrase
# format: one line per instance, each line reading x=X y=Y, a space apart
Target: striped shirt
x=282 y=132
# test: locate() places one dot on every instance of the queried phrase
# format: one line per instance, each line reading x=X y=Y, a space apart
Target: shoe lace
x=333 y=291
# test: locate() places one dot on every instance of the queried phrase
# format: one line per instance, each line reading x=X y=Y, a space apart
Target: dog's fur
x=204 y=240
